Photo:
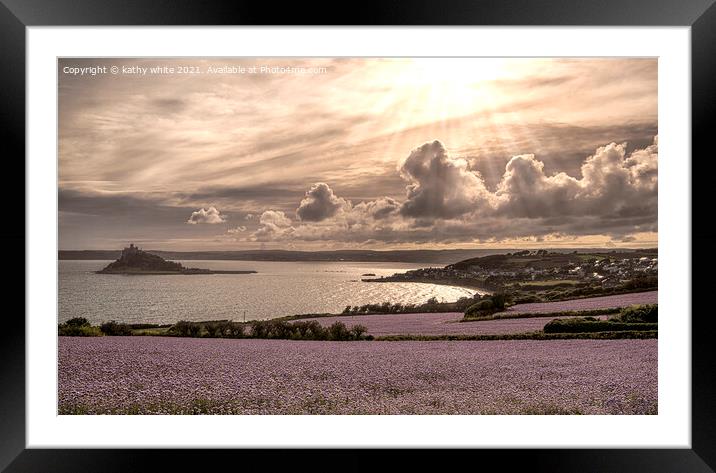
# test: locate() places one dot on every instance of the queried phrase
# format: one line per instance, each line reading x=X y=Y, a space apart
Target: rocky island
x=135 y=261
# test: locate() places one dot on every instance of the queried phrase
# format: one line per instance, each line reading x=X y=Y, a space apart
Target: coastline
x=440 y=282
x=182 y=273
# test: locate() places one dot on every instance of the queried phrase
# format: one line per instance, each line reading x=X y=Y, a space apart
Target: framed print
x=445 y=230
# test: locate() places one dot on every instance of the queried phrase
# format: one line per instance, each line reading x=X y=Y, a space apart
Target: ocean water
x=278 y=289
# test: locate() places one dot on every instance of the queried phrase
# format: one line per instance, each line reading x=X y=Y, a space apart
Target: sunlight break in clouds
x=504 y=152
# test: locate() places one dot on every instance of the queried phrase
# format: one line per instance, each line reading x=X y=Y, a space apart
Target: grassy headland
x=543 y=276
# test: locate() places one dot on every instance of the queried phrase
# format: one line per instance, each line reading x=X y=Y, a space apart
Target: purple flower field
x=443 y=323
x=589 y=303
x=163 y=375
x=447 y=323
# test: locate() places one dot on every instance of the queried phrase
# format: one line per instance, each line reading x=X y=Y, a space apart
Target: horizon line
x=386 y=250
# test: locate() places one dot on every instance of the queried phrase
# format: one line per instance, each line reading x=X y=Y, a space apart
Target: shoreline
x=181 y=273
x=454 y=283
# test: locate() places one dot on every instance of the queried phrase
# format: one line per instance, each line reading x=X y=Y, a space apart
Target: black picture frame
x=17 y=15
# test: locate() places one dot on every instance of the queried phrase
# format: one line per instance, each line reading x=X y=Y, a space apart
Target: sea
x=277 y=289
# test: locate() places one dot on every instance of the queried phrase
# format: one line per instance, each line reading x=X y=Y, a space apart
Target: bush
x=642 y=282
x=235 y=330
x=316 y=331
x=115 y=329
x=279 y=329
x=431 y=305
x=581 y=324
x=214 y=329
x=78 y=331
x=494 y=303
x=146 y=326
x=638 y=313
x=258 y=329
x=357 y=332
x=479 y=308
x=586 y=314
x=338 y=331
x=185 y=329
x=270 y=329
x=499 y=300
x=310 y=330
x=77 y=322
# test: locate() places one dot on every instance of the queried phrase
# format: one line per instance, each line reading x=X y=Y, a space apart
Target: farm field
x=589 y=303
x=158 y=375
x=447 y=323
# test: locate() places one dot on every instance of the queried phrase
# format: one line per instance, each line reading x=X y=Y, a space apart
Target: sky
x=366 y=153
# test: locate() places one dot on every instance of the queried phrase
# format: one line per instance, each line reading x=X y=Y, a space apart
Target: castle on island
x=135 y=261
x=129 y=251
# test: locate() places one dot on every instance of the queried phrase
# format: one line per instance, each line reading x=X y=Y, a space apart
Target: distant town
x=540 y=269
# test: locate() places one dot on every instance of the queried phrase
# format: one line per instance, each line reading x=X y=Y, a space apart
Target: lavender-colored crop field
x=443 y=323
x=589 y=303
x=446 y=323
x=158 y=375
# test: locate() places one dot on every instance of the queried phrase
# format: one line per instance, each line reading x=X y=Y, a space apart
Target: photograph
x=357 y=235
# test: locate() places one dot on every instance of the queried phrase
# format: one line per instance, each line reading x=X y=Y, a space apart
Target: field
x=161 y=375
x=589 y=303
x=446 y=323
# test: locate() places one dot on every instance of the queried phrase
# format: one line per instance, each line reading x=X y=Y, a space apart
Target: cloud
x=525 y=191
x=642 y=164
x=380 y=208
x=275 y=218
x=273 y=225
x=209 y=216
x=247 y=143
x=440 y=186
x=613 y=194
x=319 y=204
x=448 y=202
x=613 y=185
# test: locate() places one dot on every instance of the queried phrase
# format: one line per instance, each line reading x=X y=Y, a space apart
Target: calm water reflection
x=278 y=289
